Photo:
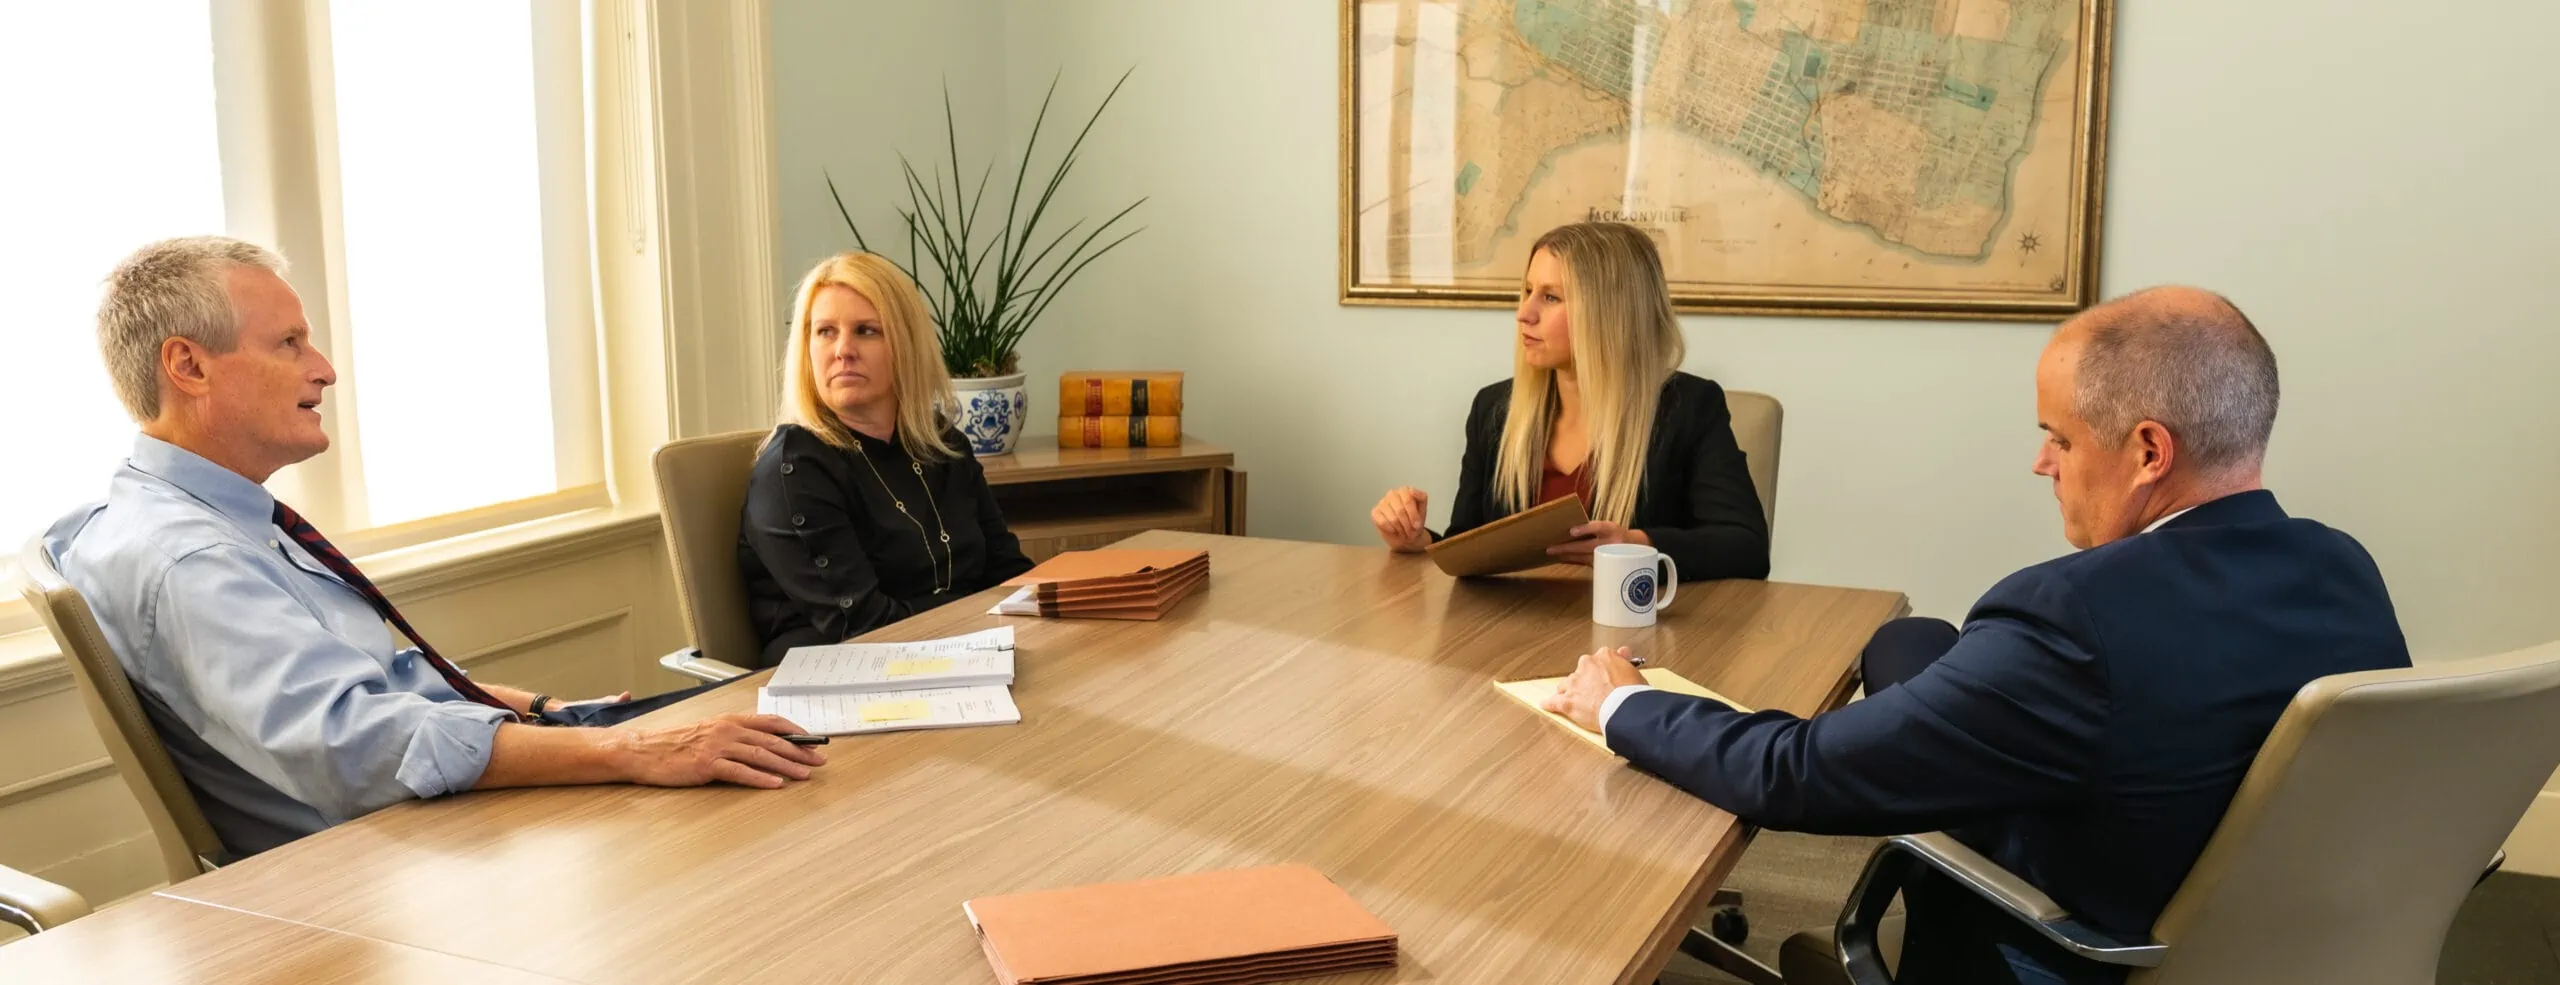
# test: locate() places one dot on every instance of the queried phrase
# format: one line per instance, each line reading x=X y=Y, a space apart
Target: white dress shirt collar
x=2156 y=524
x=228 y=492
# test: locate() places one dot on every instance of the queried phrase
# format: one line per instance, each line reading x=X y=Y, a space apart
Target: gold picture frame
x=2069 y=190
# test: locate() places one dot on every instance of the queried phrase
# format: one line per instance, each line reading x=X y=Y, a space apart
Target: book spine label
x=1120 y=431
x=1103 y=396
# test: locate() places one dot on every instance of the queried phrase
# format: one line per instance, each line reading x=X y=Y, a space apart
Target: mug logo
x=1638 y=590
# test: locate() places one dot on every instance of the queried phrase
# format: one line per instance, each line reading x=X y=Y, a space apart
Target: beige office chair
x=34 y=905
x=2342 y=860
x=702 y=487
x=1758 y=424
x=188 y=845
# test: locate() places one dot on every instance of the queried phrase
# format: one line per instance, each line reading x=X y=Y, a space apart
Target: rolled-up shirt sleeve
x=297 y=705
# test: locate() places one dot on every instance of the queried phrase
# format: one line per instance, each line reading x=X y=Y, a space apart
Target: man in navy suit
x=2088 y=726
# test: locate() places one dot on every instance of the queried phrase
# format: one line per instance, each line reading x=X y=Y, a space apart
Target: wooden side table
x=1072 y=499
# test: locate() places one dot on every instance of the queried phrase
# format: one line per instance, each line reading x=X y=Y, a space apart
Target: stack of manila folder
x=1107 y=584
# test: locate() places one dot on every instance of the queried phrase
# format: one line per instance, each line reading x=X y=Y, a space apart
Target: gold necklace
x=945 y=573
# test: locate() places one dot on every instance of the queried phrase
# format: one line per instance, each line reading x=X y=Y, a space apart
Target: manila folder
x=1514 y=543
x=1192 y=925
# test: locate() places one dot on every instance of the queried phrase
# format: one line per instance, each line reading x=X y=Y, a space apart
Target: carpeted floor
x=1789 y=883
x=2508 y=932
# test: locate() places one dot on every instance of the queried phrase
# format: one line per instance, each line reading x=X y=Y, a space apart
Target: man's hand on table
x=1595 y=675
x=740 y=748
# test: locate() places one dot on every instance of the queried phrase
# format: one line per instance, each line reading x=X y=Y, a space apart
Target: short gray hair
x=2187 y=359
x=175 y=288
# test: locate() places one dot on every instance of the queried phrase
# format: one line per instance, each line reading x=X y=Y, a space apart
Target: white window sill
x=30 y=664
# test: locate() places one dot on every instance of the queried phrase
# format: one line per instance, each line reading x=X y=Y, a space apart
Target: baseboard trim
x=2534 y=848
x=31 y=666
x=34 y=787
x=541 y=638
x=111 y=873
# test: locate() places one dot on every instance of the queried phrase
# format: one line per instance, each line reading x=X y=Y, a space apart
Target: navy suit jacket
x=2089 y=726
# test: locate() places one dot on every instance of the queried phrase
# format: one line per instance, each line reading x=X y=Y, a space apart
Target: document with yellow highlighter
x=894 y=711
x=1531 y=693
x=852 y=688
x=844 y=668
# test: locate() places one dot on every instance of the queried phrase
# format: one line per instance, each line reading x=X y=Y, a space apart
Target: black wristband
x=534 y=707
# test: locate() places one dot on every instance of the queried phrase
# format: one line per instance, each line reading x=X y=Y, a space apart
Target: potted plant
x=990 y=281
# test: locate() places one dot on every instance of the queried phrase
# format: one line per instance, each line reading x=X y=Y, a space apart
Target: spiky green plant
x=989 y=285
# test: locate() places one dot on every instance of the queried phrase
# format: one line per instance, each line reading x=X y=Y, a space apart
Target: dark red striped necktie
x=309 y=537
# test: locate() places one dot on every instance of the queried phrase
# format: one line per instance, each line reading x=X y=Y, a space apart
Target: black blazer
x=828 y=556
x=1697 y=502
x=2086 y=732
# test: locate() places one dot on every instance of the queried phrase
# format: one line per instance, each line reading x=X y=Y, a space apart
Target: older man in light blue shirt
x=260 y=655
x=279 y=691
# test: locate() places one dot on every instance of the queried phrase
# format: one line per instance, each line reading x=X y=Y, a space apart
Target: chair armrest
x=691 y=663
x=1985 y=877
x=1899 y=858
x=35 y=905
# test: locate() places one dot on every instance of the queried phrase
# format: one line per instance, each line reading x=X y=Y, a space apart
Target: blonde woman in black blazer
x=865 y=506
x=1596 y=407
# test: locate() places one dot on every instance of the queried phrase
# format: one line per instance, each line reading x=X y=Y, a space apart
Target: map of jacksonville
x=1877 y=153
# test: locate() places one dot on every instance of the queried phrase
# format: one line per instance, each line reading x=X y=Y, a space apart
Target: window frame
x=290 y=63
x=676 y=264
x=275 y=112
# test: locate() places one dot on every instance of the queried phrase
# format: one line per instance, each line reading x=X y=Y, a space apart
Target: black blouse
x=1697 y=503
x=828 y=555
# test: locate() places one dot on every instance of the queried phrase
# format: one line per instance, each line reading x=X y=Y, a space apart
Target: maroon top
x=1556 y=485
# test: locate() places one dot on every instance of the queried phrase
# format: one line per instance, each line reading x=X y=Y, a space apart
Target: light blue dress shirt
x=278 y=689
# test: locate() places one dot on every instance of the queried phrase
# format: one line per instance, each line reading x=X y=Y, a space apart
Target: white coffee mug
x=1629 y=582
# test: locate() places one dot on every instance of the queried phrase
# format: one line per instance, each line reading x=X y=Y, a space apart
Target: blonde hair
x=918 y=383
x=1626 y=344
x=175 y=288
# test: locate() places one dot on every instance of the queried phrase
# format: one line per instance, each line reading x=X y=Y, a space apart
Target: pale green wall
x=2374 y=192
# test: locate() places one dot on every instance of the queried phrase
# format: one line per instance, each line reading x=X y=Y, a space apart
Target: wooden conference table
x=1318 y=704
x=160 y=939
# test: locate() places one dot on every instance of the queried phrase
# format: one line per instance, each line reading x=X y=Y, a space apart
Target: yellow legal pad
x=910 y=668
x=1532 y=692
x=895 y=711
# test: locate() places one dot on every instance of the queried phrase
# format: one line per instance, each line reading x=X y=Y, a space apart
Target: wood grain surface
x=1039 y=459
x=158 y=939
x=1314 y=703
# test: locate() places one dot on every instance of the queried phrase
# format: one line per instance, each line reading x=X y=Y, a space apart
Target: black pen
x=805 y=740
x=1635 y=661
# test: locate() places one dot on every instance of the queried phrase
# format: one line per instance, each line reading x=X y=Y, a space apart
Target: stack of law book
x=853 y=688
x=1119 y=409
x=1269 y=924
x=1107 y=584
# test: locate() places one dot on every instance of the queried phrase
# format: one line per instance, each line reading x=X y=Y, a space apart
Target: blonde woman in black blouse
x=1597 y=407
x=865 y=505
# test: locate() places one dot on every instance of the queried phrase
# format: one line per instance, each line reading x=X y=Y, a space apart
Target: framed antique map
x=1929 y=158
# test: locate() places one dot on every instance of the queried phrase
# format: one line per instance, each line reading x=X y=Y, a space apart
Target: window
x=452 y=260
x=423 y=167
x=80 y=187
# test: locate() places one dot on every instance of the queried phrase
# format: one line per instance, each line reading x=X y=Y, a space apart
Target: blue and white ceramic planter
x=992 y=412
